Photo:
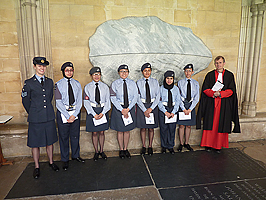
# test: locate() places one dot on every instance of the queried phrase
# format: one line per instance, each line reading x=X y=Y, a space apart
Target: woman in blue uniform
x=37 y=95
x=124 y=95
x=149 y=97
x=168 y=106
x=97 y=103
x=68 y=95
x=189 y=91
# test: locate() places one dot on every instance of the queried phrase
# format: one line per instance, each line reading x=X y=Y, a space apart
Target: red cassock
x=212 y=137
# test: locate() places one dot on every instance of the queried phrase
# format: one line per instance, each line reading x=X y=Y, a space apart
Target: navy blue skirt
x=117 y=122
x=42 y=134
x=188 y=122
x=141 y=121
x=90 y=127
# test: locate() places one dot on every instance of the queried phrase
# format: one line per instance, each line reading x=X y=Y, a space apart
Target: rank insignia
x=23 y=94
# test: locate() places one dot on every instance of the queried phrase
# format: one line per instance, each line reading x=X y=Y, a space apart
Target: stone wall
x=14 y=138
x=10 y=82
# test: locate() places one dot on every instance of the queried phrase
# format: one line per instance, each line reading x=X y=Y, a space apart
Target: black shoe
x=150 y=151
x=163 y=150
x=126 y=152
x=36 y=173
x=208 y=149
x=79 y=159
x=65 y=165
x=54 y=167
x=143 y=151
x=218 y=151
x=188 y=147
x=179 y=149
x=103 y=155
x=171 y=151
x=96 y=156
x=121 y=154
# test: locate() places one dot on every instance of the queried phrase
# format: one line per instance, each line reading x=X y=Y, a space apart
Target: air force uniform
x=66 y=130
x=94 y=108
x=36 y=99
x=143 y=105
x=167 y=130
x=185 y=104
x=117 y=98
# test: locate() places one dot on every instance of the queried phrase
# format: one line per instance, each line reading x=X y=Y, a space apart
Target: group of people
x=143 y=104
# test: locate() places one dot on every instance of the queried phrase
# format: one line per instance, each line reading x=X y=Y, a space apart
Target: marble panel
x=137 y=40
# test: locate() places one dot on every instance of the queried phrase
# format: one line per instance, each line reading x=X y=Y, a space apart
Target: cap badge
x=42 y=61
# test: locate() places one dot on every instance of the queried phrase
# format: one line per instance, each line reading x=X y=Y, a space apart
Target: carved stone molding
x=33 y=34
x=250 y=47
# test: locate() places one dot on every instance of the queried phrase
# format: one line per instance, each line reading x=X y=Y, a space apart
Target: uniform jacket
x=229 y=105
x=37 y=99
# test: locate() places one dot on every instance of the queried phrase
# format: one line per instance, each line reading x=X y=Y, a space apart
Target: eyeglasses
x=123 y=71
x=96 y=74
x=69 y=70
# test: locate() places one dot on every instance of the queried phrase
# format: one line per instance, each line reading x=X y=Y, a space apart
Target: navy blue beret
x=122 y=67
x=67 y=64
x=169 y=74
x=94 y=70
x=188 y=66
x=146 y=65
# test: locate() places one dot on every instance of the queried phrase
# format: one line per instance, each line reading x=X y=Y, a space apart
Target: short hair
x=218 y=58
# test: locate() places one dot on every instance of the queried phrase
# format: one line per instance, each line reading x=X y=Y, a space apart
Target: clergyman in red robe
x=218 y=107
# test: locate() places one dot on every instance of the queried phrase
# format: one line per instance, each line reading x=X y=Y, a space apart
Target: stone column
x=33 y=34
x=252 y=57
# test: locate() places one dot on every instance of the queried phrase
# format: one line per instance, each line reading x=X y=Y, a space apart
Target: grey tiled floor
x=9 y=174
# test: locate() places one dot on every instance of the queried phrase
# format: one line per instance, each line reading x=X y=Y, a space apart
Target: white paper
x=64 y=119
x=150 y=120
x=97 y=122
x=171 y=120
x=217 y=86
x=182 y=116
x=5 y=118
x=128 y=120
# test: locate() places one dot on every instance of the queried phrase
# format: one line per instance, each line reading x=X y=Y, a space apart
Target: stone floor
x=9 y=174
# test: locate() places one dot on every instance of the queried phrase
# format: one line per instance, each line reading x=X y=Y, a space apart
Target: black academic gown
x=229 y=106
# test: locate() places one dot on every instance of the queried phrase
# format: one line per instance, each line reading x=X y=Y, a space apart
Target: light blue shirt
x=154 y=91
x=89 y=97
x=164 y=98
x=62 y=99
x=117 y=95
x=39 y=78
x=182 y=84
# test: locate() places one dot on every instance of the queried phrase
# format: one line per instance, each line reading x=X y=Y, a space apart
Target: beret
x=94 y=70
x=122 y=67
x=188 y=66
x=67 y=64
x=169 y=74
x=146 y=65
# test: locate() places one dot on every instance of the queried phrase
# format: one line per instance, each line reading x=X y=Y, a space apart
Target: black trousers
x=68 y=131
x=167 y=131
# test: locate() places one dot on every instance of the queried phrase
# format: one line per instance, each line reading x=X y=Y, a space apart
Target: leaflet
x=150 y=120
x=128 y=120
x=97 y=122
x=182 y=116
x=171 y=120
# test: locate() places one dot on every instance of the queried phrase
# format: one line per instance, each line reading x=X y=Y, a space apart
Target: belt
x=166 y=103
x=144 y=100
x=123 y=103
x=70 y=107
x=97 y=105
x=183 y=99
